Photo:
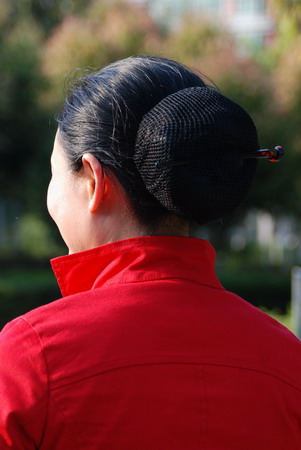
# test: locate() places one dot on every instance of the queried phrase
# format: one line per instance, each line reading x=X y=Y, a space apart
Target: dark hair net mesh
x=206 y=134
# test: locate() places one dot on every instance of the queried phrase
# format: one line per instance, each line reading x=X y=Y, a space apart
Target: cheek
x=52 y=199
x=57 y=208
x=63 y=205
x=55 y=201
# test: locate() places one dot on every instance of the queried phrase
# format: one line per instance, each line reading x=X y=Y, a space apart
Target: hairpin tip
x=264 y=153
x=278 y=154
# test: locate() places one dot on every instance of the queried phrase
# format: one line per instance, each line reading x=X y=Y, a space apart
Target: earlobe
x=95 y=181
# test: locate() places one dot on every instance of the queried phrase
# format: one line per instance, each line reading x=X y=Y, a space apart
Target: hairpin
x=272 y=155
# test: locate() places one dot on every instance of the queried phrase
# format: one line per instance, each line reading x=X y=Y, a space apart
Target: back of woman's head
x=174 y=144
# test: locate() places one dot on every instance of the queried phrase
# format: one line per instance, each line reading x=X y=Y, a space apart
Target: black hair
x=175 y=145
x=102 y=113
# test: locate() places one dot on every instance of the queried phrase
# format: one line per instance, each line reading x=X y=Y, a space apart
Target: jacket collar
x=139 y=259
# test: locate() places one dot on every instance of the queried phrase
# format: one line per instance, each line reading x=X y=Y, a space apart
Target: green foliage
x=35 y=237
x=195 y=39
x=51 y=13
x=104 y=33
x=23 y=287
x=20 y=83
x=286 y=8
x=285 y=319
x=268 y=287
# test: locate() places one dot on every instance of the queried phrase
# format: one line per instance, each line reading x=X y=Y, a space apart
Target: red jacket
x=147 y=351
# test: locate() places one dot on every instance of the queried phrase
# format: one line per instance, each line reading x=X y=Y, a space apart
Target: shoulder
x=23 y=385
x=263 y=341
x=21 y=352
x=18 y=335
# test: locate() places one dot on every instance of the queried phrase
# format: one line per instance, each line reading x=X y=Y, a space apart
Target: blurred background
x=250 y=49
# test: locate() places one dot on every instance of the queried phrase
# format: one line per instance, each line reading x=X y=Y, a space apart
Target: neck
x=108 y=229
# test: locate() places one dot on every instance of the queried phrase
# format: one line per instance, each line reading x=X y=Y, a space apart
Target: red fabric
x=148 y=351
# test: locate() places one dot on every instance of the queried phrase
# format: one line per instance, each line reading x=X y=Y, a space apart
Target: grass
x=284 y=319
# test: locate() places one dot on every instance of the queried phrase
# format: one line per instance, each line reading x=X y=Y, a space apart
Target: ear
x=96 y=181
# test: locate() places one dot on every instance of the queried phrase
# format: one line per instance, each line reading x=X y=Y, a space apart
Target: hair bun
x=189 y=152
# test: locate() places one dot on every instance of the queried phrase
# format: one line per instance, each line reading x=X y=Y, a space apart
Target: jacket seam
x=170 y=362
x=108 y=283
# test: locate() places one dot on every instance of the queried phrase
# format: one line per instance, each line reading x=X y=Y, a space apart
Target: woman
x=146 y=349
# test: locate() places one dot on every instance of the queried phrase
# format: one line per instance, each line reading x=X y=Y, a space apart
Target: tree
x=104 y=33
x=20 y=82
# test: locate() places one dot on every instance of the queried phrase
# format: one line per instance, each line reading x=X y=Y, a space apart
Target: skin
x=91 y=209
